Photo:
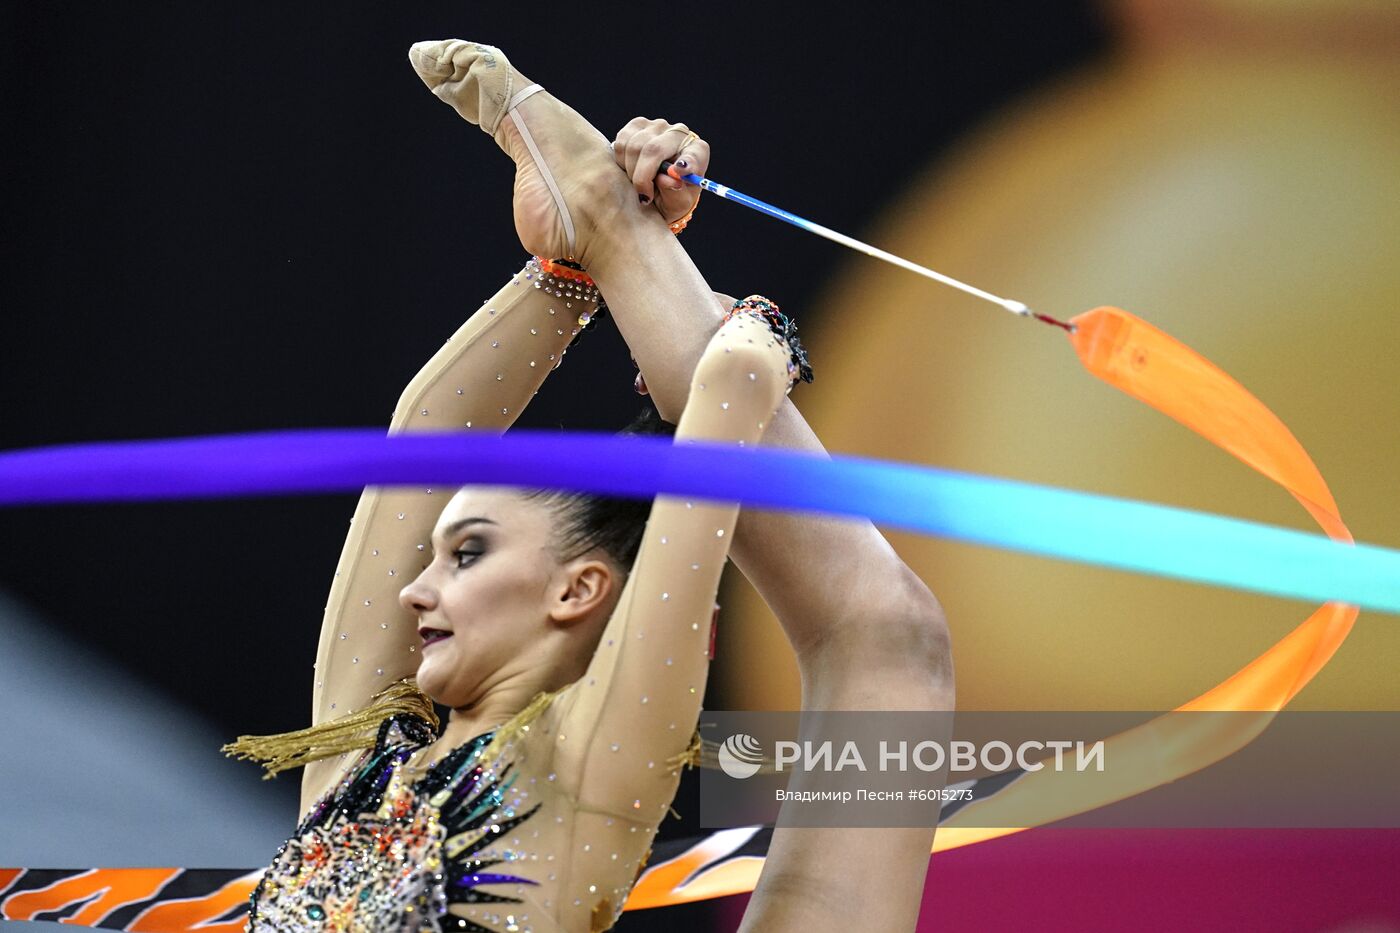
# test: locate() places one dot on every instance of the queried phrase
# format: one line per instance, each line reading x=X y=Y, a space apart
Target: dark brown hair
x=588 y=521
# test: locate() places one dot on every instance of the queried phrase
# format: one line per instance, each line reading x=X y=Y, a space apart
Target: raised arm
x=481 y=378
x=636 y=706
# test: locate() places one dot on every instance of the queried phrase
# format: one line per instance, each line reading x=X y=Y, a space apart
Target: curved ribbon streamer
x=1113 y=345
x=1137 y=358
x=1020 y=516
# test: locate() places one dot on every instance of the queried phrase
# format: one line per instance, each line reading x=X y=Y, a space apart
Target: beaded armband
x=781 y=325
x=566 y=279
x=562 y=278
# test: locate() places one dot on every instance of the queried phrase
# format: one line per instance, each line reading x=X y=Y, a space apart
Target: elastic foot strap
x=545 y=173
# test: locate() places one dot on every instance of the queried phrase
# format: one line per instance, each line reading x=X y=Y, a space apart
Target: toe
x=430 y=61
x=477 y=80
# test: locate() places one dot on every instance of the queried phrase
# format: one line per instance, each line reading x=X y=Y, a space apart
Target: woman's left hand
x=640 y=148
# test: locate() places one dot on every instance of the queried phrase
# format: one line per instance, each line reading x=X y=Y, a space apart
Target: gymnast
x=569 y=633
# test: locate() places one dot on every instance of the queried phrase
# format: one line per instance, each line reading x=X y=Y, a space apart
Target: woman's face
x=483 y=604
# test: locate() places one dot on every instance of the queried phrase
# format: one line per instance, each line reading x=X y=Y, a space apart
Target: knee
x=903 y=643
x=915 y=637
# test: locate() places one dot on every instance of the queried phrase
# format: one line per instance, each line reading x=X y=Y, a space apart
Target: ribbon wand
x=738 y=197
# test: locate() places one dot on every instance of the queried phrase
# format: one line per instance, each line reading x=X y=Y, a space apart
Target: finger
x=694 y=159
x=633 y=125
x=629 y=140
x=647 y=131
x=619 y=144
x=653 y=152
x=672 y=178
x=669 y=180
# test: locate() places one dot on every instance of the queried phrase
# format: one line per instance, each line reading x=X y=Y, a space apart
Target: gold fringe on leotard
x=356 y=731
x=692 y=757
x=348 y=733
x=703 y=753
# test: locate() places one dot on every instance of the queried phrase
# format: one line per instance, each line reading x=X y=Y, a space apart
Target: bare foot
x=479 y=82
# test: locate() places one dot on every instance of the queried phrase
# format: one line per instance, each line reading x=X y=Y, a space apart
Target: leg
x=868 y=634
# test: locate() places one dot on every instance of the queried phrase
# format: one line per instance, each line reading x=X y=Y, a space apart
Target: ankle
x=605 y=206
x=624 y=235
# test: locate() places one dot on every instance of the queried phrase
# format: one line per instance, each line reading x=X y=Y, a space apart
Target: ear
x=584 y=587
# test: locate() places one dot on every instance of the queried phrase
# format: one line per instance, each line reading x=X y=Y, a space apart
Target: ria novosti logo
x=740 y=756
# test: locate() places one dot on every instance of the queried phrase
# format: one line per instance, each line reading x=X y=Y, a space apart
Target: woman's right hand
x=642 y=145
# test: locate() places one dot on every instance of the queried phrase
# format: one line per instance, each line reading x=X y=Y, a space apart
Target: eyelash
x=463 y=553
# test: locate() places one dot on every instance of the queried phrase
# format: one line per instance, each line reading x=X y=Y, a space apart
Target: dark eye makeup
x=471 y=549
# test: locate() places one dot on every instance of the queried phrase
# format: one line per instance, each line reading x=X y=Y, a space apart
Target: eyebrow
x=461 y=523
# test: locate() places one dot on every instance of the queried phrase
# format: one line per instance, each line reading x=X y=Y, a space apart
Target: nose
x=418 y=596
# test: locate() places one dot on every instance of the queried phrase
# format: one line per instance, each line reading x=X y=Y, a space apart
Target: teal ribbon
x=1076 y=526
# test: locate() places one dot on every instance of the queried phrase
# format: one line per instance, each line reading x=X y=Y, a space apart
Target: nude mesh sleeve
x=481 y=378
x=637 y=705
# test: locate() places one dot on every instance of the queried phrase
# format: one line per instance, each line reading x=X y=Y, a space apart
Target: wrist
x=566 y=280
x=782 y=326
x=681 y=222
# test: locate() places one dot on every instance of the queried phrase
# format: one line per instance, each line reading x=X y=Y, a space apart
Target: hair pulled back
x=588 y=521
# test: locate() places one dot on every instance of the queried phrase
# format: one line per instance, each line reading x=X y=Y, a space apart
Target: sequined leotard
x=552 y=833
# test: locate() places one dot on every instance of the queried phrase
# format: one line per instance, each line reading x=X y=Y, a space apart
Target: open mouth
x=432 y=635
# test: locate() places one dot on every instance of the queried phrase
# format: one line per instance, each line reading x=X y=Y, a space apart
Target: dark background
x=238 y=217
